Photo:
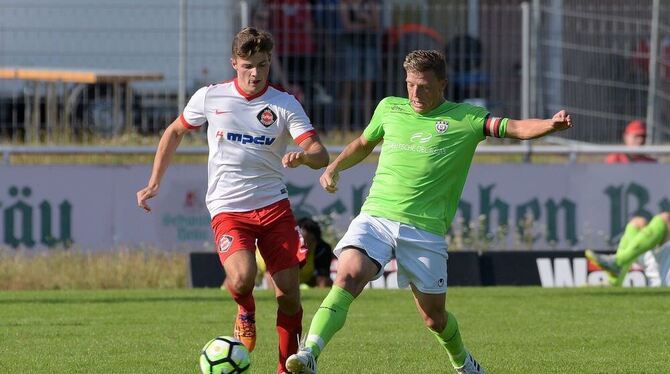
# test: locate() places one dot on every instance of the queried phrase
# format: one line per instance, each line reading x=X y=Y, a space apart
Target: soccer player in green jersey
x=428 y=147
x=639 y=237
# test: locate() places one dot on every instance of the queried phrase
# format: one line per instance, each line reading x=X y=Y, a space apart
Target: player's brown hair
x=425 y=60
x=251 y=40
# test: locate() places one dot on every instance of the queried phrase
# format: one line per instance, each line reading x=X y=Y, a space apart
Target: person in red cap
x=634 y=135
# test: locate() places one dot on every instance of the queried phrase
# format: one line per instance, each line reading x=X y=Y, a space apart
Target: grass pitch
x=510 y=330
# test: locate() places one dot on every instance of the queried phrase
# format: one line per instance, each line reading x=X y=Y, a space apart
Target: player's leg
x=354 y=270
x=279 y=244
x=362 y=254
x=444 y=326
x=608 y=262
x=289 y=313
x=422 y=263
x=649 y=237
x=236 y=248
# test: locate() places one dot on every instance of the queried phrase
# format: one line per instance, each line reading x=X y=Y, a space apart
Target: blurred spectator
x=290 y=22
x=361 y=27
x=464 y=55
x=327 y=32
x=316 y=271
x=634 y=135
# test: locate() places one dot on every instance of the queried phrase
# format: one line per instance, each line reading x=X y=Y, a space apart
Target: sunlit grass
x=74 y=269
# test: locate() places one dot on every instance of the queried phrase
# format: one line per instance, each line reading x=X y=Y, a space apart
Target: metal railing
x=571 y=151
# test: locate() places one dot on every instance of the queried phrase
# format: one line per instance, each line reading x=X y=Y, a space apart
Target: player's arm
x=352 y=154
x=313 y=154
x=167 y=147
x=535 y=128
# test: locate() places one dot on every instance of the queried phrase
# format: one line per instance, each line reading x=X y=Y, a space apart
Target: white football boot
x=302 y=362
x=470 y=366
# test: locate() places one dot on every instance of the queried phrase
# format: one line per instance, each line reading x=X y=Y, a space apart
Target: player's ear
x=233 y=62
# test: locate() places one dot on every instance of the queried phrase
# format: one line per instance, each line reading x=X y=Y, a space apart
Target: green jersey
x=424 y=161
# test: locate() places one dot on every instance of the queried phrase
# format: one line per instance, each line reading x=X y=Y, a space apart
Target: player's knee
x=240 y=284
x=639 y=222
x=665 y=216
x=352 y=282
x=289 y=304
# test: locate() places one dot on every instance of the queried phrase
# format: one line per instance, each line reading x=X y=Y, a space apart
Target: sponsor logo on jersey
x=421 y=137
x=249 y=139
x=221 y=111
x=266 y=117
x=224 y=243
x=440 y=283
x=398 y=108
x=441 y=126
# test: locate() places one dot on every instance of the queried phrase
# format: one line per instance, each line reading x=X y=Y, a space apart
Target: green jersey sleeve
x=478 y=117
x=375 y=129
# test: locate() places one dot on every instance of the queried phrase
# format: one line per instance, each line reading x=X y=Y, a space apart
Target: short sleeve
x=478 y=117
x=375 y=129
x=298 y=124
x=194 y=114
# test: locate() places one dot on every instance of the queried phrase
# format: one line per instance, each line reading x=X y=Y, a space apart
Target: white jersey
x=247 y=137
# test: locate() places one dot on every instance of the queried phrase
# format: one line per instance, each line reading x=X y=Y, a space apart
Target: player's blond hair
x=426 y=60
x=251 y=40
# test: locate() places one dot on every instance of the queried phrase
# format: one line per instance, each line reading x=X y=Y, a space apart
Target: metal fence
x=338 y=56
x=607 y=62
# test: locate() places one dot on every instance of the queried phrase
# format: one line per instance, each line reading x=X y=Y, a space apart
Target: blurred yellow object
x=260 y=268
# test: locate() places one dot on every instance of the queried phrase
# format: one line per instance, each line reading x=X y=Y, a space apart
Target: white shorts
x=421 y=256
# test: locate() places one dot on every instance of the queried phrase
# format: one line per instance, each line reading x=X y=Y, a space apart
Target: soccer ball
x=224 y=355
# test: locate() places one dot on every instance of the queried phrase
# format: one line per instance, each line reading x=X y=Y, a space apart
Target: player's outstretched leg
x=607 y=263
x=328 y=320
x=648 y=237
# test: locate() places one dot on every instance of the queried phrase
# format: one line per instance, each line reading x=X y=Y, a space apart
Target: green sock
x=649 y=237
x=450 y=339
x=629 y=234
x=329 y=319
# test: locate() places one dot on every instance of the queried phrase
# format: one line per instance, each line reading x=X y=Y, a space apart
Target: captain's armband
x=495 y=127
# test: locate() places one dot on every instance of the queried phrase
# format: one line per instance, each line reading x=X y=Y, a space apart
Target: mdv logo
x=573 y=272
x=421 y=137
x=249 y=139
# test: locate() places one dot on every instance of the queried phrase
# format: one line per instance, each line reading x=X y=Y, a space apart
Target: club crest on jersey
x=441 y=126
x=266 y=117
x=224 y=243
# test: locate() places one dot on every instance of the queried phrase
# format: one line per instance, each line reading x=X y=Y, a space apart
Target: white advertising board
x=93 y=207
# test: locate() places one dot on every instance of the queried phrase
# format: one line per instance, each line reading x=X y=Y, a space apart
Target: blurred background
x=87 y=88
x=80 y=72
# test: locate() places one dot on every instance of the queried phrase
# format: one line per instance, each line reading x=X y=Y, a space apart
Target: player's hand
x=329 y=180
x=145 y=194
x=293 y=159
x=561 y=121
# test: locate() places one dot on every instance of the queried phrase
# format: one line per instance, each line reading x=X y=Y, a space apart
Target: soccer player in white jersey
x=249 y=125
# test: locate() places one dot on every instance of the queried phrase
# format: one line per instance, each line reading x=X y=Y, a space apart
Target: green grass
x=510 y=330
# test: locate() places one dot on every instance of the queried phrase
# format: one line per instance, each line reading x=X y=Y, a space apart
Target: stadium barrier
x=550 y=269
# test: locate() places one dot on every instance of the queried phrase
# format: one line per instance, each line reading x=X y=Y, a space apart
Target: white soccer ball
x=224 y=355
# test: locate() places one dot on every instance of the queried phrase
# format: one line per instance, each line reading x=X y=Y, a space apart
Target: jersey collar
x=246 y=95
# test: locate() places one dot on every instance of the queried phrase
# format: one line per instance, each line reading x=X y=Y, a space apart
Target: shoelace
x=247 y=325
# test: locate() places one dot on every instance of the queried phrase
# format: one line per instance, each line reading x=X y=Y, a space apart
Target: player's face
x=425 y=90
x=252 y=72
